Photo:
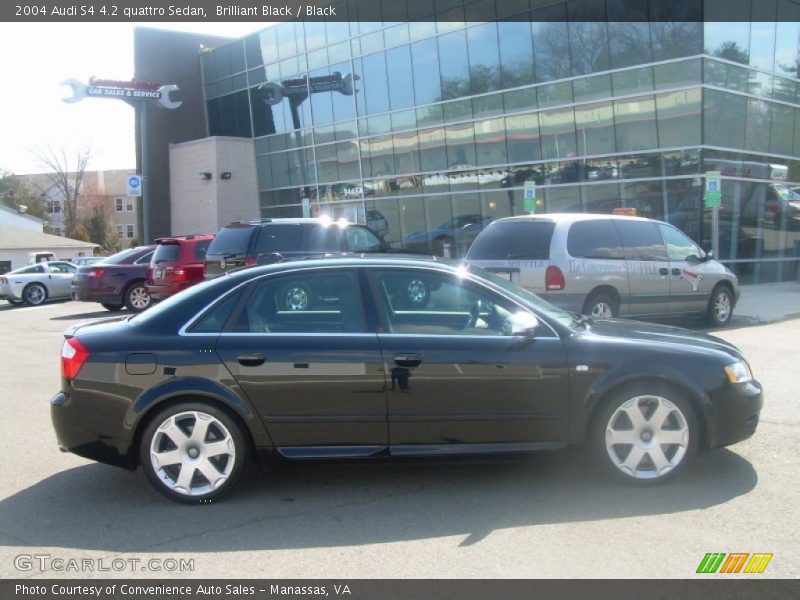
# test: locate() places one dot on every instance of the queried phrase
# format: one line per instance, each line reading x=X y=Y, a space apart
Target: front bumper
x=75 y=435
x=733 y=414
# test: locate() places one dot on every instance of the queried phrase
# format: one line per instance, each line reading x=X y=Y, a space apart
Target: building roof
x=5 y=208
x=14 y=238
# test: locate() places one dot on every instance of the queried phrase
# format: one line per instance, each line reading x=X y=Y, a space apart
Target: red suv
x=177 y=264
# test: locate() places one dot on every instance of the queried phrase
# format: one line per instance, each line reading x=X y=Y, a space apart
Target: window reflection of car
x=446 y=235
x=377 y=222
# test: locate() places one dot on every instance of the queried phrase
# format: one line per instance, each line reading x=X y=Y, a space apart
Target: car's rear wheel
x=34 y=294
x=601 y=305
x=720 y=307
x=193 y=452
x=136 y=297
x=111 y=307
x=645 y=433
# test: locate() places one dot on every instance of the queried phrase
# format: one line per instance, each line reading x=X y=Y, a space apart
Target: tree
x=66 y=178
x=94 y=215
x=80 y=233
x=14 y=193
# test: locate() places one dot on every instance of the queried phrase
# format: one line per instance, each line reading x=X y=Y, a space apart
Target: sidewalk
x=767 y=302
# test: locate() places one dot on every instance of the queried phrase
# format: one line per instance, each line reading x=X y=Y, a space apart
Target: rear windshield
x=126 y=256
x=279 y=238
x=232 y=240
x=166 y=252
x=513 y=240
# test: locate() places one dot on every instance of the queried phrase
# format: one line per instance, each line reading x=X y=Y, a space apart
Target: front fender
x=197 y=388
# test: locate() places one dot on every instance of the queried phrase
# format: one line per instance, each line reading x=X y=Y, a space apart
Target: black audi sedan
x=336 y=358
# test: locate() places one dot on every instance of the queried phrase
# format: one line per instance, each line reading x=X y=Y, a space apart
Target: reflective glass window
x=591 y=88
x=347 y=160
x=675 y=39
x=781 y=130
x=554 y=94
x=484 y=58
x=490 y=142
x=433 y=156
x=756 y=137
x=629 y=42
x=454 y=68
x=730 y=40
x=562 y=199
x=679 y=118
x=646 y=197
x=406 y=152
x=327 y=164
x=460 y=145
x=516 y=53
x=519 y=100
x=558 y=133
x=677 y=74
x=522 y=136
x=588 y=46
x=762 y=38
x=724 y=117
x=551 y=43
x=594 y=125
x=787 y=34
x=381 y=155
x=486 y=106
x=602 y=198
x=425 y=62
x=401 y=90
x=635 y=124
x=632 y=81
x=374 y=82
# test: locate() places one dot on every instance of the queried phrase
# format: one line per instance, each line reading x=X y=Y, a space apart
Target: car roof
x=570 y=217
x=177 y=239
x=291 y=221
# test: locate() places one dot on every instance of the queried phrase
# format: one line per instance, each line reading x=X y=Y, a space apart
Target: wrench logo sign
x=122 y=90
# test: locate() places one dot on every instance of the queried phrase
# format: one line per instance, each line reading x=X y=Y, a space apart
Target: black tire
x=599 y=303
x=167 y=477
x=112 y=307
x=720 y=306
x=14 y=302
x=134 y=297
x=611 y=421
x=34 y=294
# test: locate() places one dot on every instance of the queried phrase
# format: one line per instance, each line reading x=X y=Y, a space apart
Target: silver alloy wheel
x=416 y=291
x=35 y=294
x=647 y=437
x=602 y=310
x=192 y=453
x=722 y=306
x=296 y=298
x=139 y=298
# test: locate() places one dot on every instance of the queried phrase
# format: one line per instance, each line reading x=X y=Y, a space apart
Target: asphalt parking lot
x=549 y=515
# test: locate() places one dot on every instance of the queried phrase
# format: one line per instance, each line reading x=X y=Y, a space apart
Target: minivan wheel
x=193 y=453
x=601 y=305
x=720 y=307
x=136 y=298
x=34 y=294
x=645 y=433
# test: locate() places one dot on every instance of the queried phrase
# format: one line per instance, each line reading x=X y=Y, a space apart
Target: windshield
x=565 y=318
x=232 y=240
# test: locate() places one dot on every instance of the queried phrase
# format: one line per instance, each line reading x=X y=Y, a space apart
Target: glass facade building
x=427 y=129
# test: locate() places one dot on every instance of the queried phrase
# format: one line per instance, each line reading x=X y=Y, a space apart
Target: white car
x=85 y=261
x=34 y=284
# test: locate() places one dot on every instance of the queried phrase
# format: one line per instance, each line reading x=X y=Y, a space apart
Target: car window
x=61 y=268
x=200 y=249
x=215 y=318
x=234 y=239
x=641 y=240
x=144 y=260
x=316 y=302
x=419 y=302
x=679 y=246
x=513 y=239
x=360 y=239
x=119 y=257
x=33 y=269
x=594 y=239
x=279 y=238
x=321 y=238
x=166 y=252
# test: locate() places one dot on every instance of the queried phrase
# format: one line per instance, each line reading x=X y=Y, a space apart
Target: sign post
x=713 y=200
x=529 y=202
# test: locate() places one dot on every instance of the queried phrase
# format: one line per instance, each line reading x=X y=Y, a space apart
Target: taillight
x=249 y=262
x=554 y=279
x=96 y=273
x=178 y=275
x=73 y=355
x=149 y=274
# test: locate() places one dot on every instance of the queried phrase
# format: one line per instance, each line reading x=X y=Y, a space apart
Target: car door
x=689 y=289
x=647 y=264
x=59 y=281
x=458 y=381
x=300 y=350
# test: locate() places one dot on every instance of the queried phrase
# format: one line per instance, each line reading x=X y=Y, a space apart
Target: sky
x=37 y=57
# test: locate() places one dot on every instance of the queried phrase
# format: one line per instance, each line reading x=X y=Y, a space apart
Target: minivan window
x=232 y=240
x=679 y=247
x=641 y=240
x=594 y=239
x=279 y=238
x=166 y=252
x=508 y=240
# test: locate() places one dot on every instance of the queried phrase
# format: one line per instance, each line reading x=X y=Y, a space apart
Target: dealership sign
x=122 y=90
x=276 y=92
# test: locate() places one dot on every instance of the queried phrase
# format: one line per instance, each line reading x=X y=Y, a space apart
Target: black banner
x=258 y=11
x=422 y=589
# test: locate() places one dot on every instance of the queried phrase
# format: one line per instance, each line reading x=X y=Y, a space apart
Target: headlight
x=738 y=372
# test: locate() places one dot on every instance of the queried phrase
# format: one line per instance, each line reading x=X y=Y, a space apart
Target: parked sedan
x=116 y=281
x=235 y=367
x=35 y=284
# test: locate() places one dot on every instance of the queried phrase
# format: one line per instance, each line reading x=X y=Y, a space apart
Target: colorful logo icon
x=734 y=562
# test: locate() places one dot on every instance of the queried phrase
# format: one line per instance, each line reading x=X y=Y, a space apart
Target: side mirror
x=709 y=256
x=524 y=324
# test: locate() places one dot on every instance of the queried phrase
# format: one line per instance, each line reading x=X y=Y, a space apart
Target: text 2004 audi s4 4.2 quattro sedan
x=387 y=356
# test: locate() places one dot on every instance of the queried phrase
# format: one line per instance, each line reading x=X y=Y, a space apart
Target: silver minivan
x=608 y=265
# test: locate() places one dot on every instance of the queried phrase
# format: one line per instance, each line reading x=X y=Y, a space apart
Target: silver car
x=608 y=265
x=34 y=284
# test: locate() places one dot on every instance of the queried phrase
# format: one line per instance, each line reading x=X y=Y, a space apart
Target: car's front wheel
x=720 y=307
x=601 y=305
x=645 y=433
x=193 y=452
x=35 y=294
x=136 y=298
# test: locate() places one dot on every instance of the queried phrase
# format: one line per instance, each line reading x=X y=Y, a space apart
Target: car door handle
x=407 y=360
x=252 y=360
x=676 y=272
x=663 y=271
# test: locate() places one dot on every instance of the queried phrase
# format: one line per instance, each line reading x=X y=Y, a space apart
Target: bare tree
x=66 y=177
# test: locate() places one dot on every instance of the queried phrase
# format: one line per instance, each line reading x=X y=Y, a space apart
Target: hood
x=638 y=331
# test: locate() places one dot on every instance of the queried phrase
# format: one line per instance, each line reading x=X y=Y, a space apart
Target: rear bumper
x=734 y=414
x=73 y=435
x=160 y=292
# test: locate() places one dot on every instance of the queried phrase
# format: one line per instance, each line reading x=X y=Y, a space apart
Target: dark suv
x=116 y=281
x=244 y=244
x=177 y=264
